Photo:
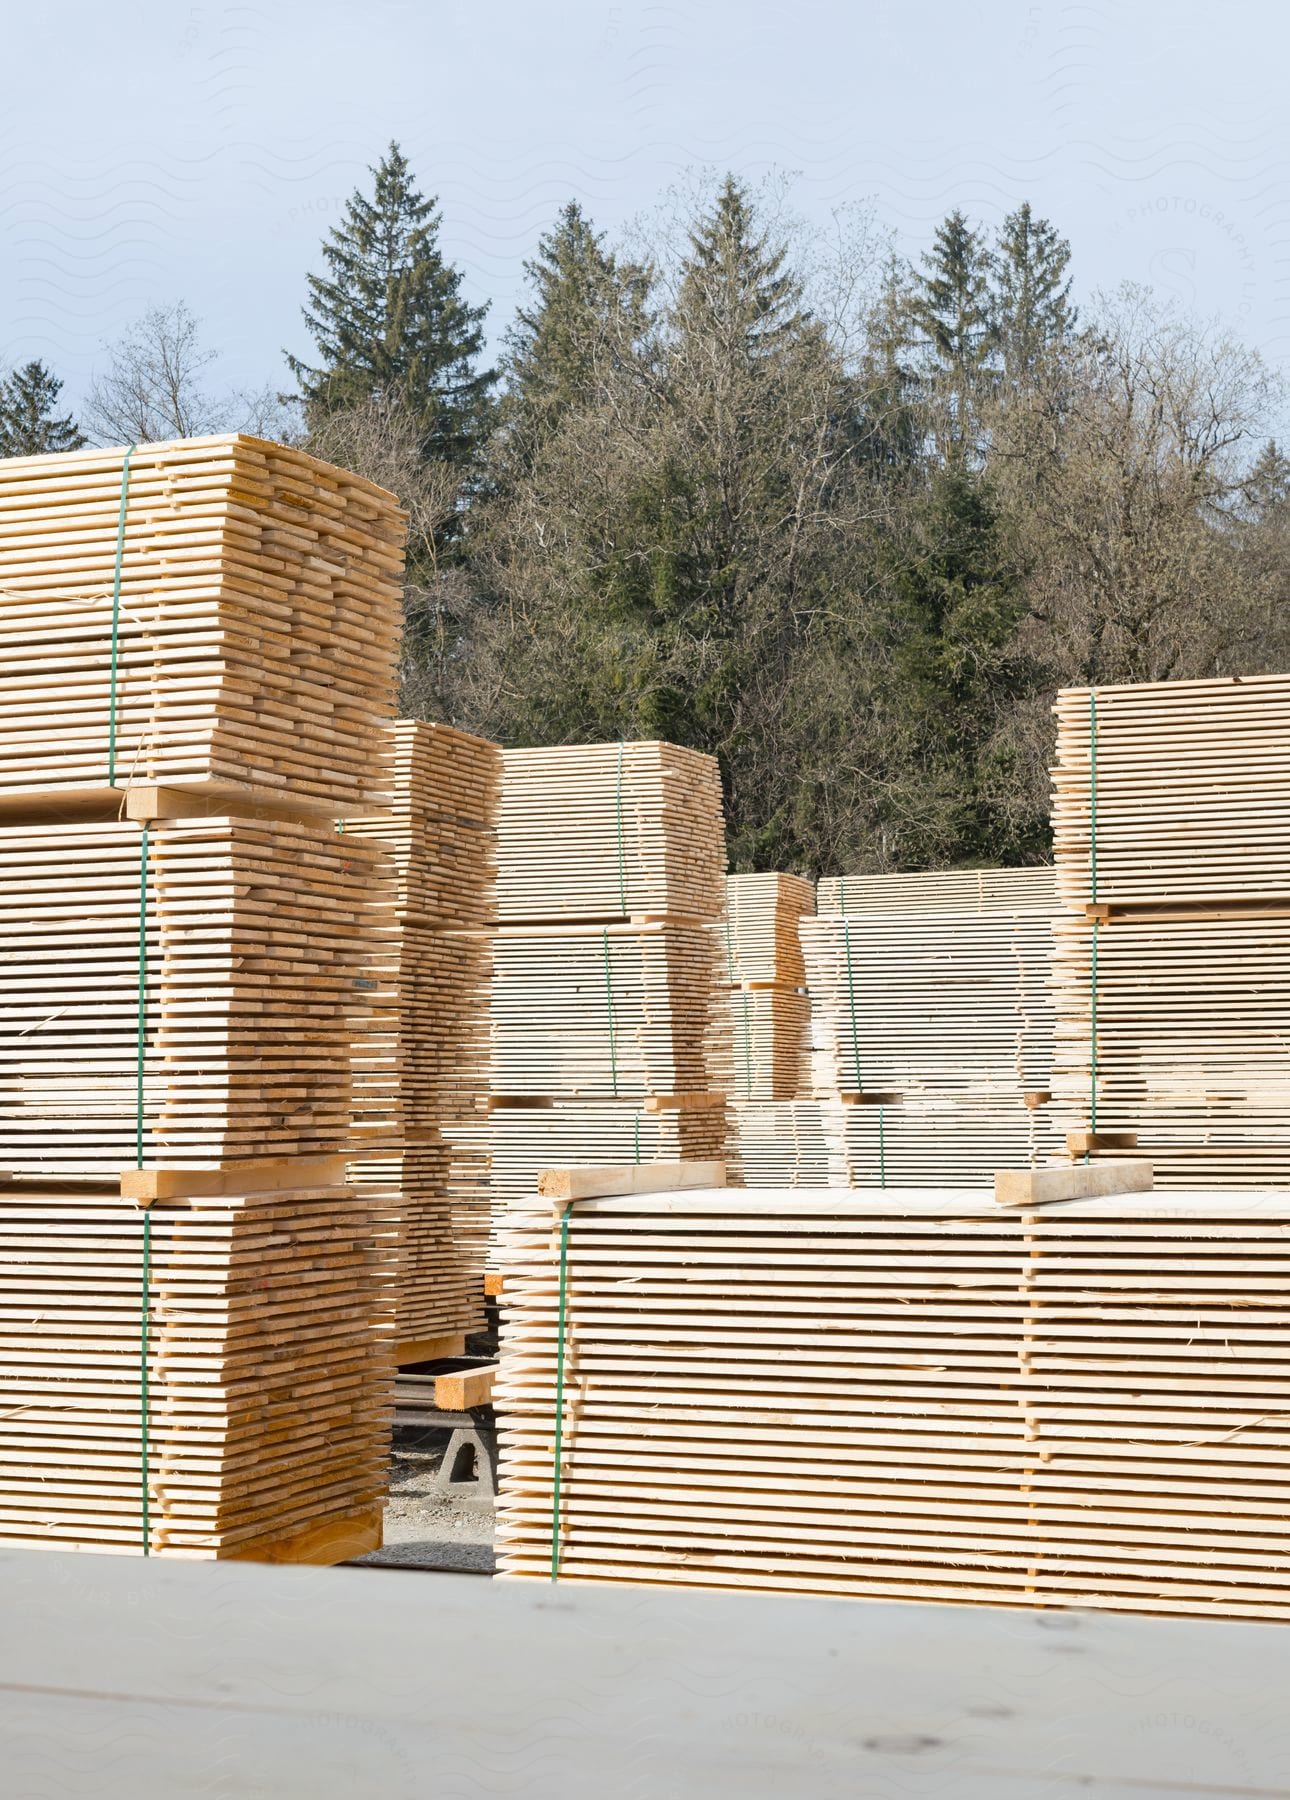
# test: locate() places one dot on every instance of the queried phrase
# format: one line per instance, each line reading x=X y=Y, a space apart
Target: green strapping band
x=1092 y=823
x=637 y=1122
x=559 y=1396
x=143 y=1376
x=116 y=615
x=145 y=1298
x=748 y=1079
x=618 y=807
x=882 y=1150
x=609 y=1008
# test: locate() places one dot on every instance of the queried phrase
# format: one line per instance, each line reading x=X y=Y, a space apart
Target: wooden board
x=1039 y=1187
x=783 y=1695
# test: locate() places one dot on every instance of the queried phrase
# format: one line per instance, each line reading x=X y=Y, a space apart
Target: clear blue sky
x=161 y=151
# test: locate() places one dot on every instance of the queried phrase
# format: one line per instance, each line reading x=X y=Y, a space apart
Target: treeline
x=845 y=521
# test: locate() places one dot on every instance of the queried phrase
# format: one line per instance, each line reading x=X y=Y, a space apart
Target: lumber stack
x=197 y=662
x=904 y=1395
x=1173 y=862
x=934 y=1026
x=767 y=1018
x=606 y=1037
x=440 y=834
x=257 y=644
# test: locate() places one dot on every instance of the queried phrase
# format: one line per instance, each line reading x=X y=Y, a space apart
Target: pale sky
x=160 y=151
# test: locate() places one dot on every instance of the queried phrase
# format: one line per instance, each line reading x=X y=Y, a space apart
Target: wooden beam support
x=564 y=1185
x=494 y=1284
x=1090 y=1143
x=1080 y=1181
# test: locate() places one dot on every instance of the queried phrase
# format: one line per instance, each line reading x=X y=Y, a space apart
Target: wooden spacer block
x=1088 y=1143
x=461 y=1389
x=494 y=1284
x=871 y=1099
x=255 y=1176
x=563 y=1185
x=681 y=1102
x=1079 y=1181
x=1034 y=1098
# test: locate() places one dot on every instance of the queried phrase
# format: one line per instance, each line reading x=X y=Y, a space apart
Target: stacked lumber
x=759 y=933
x=268 y=1401
x=767 y=1018
x=1082 y=1404
x=609 y=831
x=607 y=1038
x=440 y=835
x=266 y=953
x=938 y=890
x=783 y=1143
x=198 y=1006
x=1173 y=862
x=935 y=1029
x=257 y=640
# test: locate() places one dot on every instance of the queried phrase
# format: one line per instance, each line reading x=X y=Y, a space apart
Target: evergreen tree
x=956 y=600
x=28 y=424
x=589 y=312
x=1031 y=291
x=389 y=320
x=950 y=311
x=735 y=285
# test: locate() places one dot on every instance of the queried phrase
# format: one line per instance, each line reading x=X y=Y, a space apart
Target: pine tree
x=588 y=314
x=956 y=671
x=950 y=310
x=734 y=282
x=389 y=320
x=1031 y=291
x=28 y=424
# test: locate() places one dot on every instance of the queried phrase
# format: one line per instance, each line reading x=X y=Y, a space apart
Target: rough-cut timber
x=915 y=1395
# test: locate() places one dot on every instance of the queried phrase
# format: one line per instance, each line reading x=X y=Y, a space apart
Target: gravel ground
x=424 y=1524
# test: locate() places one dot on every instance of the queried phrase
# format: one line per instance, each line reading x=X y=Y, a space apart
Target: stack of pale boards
x=440 y=832
x=775 y=1133
x=187 y=999
x=931 y=1027
x=1172 y=842
x=905 y=1395
x=606 y=1031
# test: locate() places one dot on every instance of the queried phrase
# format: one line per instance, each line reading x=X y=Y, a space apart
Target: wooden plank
x=872 y=1699
x=564 y=1185
x=254 y=1176
x=1081 y=1181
